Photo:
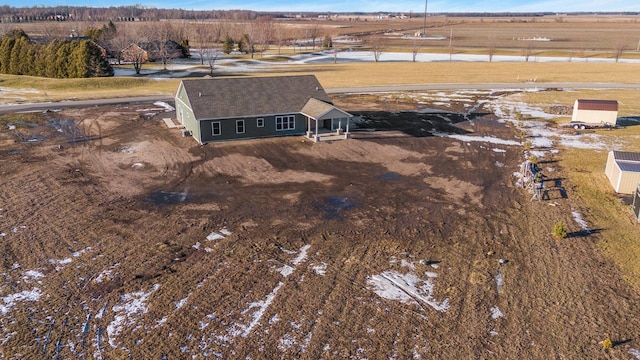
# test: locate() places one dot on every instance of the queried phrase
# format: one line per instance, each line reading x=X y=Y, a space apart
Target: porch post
x=346 y=134
x=339 y=125
x=308 y=127
x=317 y=139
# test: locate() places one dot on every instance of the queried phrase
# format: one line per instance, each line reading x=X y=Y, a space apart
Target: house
x=595 y=112
x=245 y=108
x=135 y=54
x=623 y=171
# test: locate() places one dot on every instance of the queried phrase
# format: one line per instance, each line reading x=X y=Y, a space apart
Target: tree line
x=71 y=58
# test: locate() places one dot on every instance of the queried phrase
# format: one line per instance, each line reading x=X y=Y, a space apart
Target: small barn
x=245 y=108
x=623 y=171
x=595 y=112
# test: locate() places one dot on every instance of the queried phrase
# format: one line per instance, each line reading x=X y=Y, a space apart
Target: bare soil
x=130 y=207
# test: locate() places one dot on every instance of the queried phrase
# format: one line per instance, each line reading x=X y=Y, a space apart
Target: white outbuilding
x=595 y=112
x=623 y=171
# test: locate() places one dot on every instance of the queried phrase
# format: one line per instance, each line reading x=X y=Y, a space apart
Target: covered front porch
x=326 y=122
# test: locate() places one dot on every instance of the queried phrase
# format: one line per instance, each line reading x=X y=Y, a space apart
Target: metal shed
x=623 y=171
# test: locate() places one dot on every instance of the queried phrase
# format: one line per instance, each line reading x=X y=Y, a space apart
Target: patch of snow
x=635 y=353
x=584 y=141
x=262 y=307
x=196 y=246
x=133 y=305
x=496 y=313
x=302 y=256
x=493 y=332
x=286 y=270
x=219 y=235
x=499 y=164
x=431 y=274
x=163 y=104
x=137 y=165
x=499 y=280
x=498 y=150
x=578 y=219
x=408 y=264
x=10 y=300
x=181 y=303
x=104 y=275
x=320 y=269
x=33 y=274
x=468 y=138
x=407 y=288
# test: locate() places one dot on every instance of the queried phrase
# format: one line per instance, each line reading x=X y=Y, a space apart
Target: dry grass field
x=139 y=243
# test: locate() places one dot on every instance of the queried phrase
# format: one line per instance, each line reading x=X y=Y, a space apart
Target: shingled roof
x=604 y=105
x=250 y=97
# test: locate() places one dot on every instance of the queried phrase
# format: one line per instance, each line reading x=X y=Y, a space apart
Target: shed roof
x=630 y=166
x=604 y=105
x=626 y=156
x=246 y=97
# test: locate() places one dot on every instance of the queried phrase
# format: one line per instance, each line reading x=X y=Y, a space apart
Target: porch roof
x=321 y=110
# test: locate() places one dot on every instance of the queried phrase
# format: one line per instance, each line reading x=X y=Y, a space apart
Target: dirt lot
x=140 y=243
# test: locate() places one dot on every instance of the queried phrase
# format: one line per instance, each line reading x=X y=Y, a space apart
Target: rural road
x=359 y=89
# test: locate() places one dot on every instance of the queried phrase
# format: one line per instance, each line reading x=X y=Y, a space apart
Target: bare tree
x=315 y=32
x=263 y=32
x=202 y=37
x=620 y=48
x=280 y=33
x=377 y=47
x=491 y=46
x=415 y=49
x=161 y=43
x=527 y=50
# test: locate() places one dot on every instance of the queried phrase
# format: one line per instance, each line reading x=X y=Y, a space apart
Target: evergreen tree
x=227 y=45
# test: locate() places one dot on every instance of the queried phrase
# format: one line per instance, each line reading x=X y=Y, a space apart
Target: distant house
x=245 y=108
x=623 y=171
x=595 y=112
x=134 y=53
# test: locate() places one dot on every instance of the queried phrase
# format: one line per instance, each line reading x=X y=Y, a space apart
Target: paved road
x=360 y=89
x=81 y=103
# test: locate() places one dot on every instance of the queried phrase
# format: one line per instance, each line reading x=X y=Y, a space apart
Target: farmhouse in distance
x=245 y=108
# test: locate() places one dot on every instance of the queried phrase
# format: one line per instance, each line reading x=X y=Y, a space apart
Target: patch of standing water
x=161 y=198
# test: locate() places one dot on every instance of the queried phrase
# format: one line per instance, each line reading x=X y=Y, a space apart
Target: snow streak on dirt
x=407 y=288
x=131 y=307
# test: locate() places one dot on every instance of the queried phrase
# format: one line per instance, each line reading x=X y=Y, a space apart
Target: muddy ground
x=134 y=242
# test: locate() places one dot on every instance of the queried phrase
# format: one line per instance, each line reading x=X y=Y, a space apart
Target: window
x=287 y=122
x=260 y=122
x=215 y=127
x=239 y=126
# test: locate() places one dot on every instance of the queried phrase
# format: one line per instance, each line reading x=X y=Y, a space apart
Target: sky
x=362 y=5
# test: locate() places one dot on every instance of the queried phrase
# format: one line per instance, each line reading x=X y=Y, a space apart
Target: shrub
x=560 y=230
x=607 y=343
x=533 y=159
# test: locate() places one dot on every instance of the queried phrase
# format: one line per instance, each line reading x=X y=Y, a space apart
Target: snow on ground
x=471 y=138
x=496 y=313
x=499 y=281
x=578 y=219
x=407 y=288
x=219 y=235
x=320 y=269
x=635 y=353
x=131 y=306
x=9 y=301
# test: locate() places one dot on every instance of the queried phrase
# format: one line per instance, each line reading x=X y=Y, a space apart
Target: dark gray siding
x=251 y=130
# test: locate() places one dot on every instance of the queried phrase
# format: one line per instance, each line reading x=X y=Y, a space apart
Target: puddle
x=161 y=198
x=14 y=152
x=334 y=207
x=390 y=176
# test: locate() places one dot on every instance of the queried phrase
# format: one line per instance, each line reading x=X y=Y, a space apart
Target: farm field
x=410 y=240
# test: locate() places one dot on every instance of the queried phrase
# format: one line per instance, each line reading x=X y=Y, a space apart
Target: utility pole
x=424 y=28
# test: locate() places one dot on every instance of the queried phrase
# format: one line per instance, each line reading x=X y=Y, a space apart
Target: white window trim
x=260 y=122
x=288 y=122
x=213 y=133
x=243 y=127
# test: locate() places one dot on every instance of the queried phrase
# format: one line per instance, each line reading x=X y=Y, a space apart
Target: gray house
x=245 y=108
